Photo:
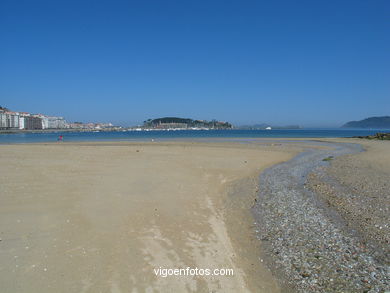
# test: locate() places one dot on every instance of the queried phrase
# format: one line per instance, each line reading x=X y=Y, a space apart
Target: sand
x=100 y=217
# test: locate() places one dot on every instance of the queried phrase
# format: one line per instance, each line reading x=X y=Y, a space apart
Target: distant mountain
x=372 y=122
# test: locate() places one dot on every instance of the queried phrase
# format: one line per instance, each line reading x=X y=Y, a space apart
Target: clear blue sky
x=313 y=63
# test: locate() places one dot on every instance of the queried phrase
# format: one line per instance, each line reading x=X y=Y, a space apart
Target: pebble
x=305 y=242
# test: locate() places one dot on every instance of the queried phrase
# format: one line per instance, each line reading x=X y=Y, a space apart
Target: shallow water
x=185 y=134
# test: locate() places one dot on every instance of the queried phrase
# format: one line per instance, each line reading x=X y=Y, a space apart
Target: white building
x=21 y=122
x=56 y=122
x=9 y=120
x=45 y=122
x=3 y=120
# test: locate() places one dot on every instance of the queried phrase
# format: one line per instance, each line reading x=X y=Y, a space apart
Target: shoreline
x=55 y=130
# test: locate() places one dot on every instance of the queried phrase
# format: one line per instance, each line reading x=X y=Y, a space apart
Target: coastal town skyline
x=316 y=65
x=20 y=120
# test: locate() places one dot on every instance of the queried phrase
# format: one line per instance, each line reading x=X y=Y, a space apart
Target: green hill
x=185 y=122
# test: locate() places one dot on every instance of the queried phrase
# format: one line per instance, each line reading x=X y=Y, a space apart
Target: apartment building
x=56 y=122
x=9 y=120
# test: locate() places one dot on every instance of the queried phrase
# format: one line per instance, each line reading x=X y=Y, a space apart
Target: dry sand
x=100 y=217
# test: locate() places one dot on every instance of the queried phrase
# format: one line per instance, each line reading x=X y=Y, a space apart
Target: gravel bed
x=306 y=244
x=363 y=201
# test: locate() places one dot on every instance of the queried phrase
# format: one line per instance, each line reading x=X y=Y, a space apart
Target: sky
x=312 y=63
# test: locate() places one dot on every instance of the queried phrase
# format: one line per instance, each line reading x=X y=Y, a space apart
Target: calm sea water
x=187 y=134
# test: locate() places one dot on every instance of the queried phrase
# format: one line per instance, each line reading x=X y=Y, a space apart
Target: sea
x=155 y=135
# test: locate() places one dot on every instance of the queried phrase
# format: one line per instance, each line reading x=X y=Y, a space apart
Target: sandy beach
x=194 y=146
x=282 y=215
x=100 y=217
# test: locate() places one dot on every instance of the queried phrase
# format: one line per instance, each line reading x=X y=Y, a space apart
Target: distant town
x=10 y=120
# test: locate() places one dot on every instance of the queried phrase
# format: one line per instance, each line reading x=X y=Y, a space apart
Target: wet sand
x=100 y=217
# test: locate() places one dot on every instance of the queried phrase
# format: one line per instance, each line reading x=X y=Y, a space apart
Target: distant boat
x=268 y=128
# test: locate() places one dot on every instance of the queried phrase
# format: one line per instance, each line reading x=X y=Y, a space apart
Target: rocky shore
x=305 y=240
x=379 y=136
